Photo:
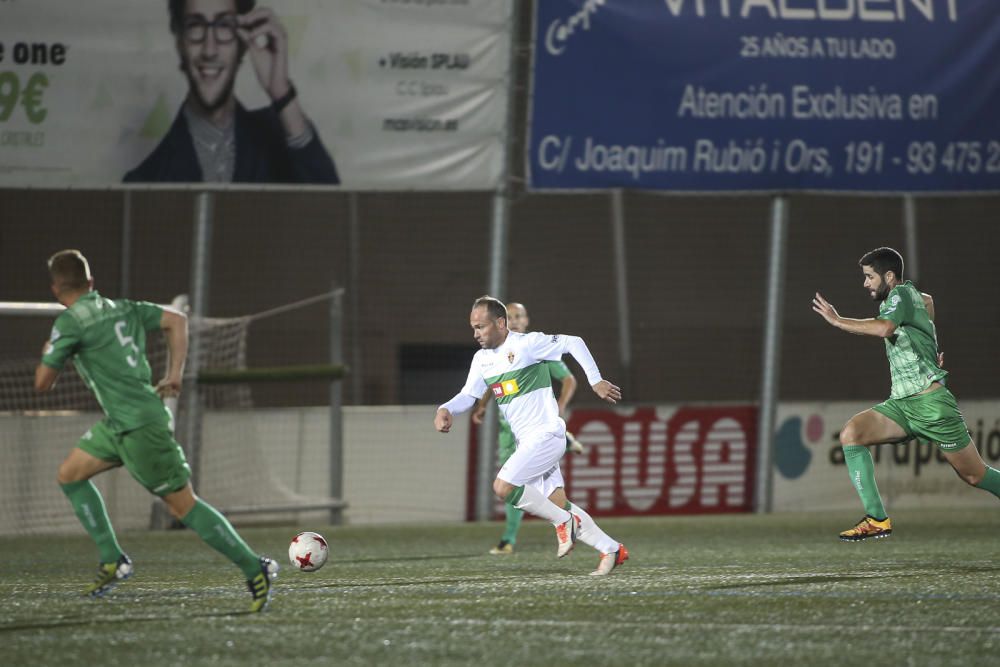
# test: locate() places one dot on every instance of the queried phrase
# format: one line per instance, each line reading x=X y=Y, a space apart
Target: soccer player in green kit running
x=517 y=320
x=106 y=339
x=919 y=405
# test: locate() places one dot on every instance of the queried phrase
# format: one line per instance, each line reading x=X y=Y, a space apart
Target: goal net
x=238 y=467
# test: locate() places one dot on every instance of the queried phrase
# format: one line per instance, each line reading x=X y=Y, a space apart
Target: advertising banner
x=810 y=473
x=766 y=95
x=363 y=94
x=661 y=460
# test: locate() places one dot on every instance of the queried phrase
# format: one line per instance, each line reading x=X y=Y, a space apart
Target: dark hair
x=493 y=305
x=176 y=10
x=69 y=270
x=882 y=260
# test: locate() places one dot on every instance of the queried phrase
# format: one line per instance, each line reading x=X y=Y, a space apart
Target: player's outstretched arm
x=865 y=327
x=45 y=376
x=442 y=420
x=175 y=329
x=456 y=406
x=566 y=390
x=928 y=304
x=607 y=391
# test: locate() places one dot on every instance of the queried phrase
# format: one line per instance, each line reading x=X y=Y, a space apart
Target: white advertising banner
x=809 y=470
x=363 y=94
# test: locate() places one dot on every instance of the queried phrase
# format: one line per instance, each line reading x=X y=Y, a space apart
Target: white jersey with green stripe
x=520 y=381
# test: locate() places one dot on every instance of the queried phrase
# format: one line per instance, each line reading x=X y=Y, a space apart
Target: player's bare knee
x=850 y=435
x=174 y=511
x=502 y=489
x=180 y=502
x=67 y=474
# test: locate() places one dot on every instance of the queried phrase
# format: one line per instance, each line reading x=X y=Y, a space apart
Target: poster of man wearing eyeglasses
x=214 y=137
x=238 y=94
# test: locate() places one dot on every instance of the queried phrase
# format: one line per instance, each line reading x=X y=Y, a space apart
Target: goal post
x=266 y=463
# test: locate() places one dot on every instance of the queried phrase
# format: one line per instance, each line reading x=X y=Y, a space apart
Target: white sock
x=534 y=502
x=590 y=533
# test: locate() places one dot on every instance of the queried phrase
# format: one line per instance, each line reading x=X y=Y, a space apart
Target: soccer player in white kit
x=512 y=365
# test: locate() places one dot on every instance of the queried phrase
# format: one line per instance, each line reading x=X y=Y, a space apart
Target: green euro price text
x=28 y=95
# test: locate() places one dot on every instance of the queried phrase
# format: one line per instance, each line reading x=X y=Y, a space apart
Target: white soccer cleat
x=566 y=534
x=610 y=561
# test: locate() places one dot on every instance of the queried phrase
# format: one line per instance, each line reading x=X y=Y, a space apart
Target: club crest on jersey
x=510 y=357
x=505 y=388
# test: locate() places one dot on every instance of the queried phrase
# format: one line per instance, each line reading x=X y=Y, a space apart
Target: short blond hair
x=69 y=270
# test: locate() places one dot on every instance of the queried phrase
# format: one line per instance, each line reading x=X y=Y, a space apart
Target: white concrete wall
x=397 y=467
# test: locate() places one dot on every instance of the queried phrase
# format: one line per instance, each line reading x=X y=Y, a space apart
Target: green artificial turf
x=720 y=590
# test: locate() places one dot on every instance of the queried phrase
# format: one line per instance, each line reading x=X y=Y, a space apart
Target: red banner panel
x=655 y=460
x=693 y=460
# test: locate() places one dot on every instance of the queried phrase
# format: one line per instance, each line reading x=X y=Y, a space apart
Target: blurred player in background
x=919 y=405
x=512 y=366
x=517 y=320
x=106 y=339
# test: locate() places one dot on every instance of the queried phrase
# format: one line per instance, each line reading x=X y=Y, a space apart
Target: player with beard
x=919 y=405
x=213 y=137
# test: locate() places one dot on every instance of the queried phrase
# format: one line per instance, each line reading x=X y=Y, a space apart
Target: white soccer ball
x=308 y=551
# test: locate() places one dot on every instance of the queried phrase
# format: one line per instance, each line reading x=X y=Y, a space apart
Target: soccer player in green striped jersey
x=518 y=320
x=919 y=405
x=512 y=366
x=106 y=339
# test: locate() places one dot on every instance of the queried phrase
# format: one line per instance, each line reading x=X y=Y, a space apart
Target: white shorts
x=536 y=462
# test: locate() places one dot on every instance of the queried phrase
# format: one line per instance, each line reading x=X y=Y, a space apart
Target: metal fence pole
x=200 y=270
x=621 y=290
x=354 y=285
x=126 y=258
x=912 y=268
x=771 y=357
x=496 y=287
x=497 y=281
x=336 y=404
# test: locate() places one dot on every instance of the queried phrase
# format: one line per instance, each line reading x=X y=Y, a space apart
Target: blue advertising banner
x=766 y=95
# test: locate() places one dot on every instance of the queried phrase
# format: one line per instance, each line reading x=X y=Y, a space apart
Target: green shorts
x=931 y=417
x=149 y=453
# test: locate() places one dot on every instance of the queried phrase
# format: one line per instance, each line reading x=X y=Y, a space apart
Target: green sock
x=219 y=534
x=514 y=516
x=991 y=481
x=862 y=469
x=90 y=510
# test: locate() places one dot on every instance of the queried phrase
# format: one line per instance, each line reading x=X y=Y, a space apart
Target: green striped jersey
x=107 y=341
x=912 y=349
